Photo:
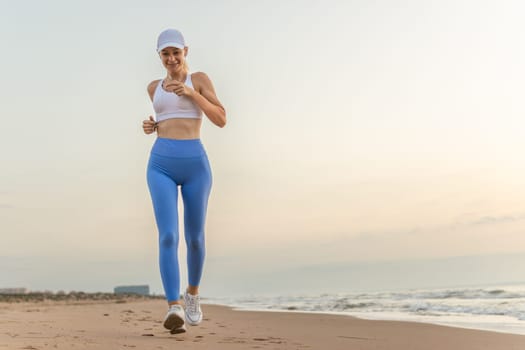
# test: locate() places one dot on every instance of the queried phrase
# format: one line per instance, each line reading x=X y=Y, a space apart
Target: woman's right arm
x=150 y=125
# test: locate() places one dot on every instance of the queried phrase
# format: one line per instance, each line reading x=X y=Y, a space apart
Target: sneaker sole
x=178 y=330
x=192 y=323
x=173 y=321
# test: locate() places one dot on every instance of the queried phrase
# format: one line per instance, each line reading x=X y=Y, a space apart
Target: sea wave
x=470 y=304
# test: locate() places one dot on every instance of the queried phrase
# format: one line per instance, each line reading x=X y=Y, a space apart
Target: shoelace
x=193 y=303
x=173 y=307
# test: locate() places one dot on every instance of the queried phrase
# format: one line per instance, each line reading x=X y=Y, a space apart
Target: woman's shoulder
x=199 y=75
x=200 y=78
x=153 y=84
x=152 y=87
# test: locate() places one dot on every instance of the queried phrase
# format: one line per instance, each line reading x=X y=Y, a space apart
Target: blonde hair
x=185 y=65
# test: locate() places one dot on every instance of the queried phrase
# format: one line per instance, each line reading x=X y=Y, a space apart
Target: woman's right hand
x=149 y=126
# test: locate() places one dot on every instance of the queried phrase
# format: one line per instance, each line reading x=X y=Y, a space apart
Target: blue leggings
x=183 y=163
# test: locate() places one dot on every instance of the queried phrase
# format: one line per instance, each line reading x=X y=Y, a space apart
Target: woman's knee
x=168 y=240
x=195 y=242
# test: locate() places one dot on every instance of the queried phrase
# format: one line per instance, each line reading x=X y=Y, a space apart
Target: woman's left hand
x=179 y=88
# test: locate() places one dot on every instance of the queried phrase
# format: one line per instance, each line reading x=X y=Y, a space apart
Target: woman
x=178 y=158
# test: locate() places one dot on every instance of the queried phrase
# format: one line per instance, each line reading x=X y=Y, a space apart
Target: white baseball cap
x=170 y=37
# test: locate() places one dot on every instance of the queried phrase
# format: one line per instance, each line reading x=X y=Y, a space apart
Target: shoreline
x=400 y=319
x=136 y=323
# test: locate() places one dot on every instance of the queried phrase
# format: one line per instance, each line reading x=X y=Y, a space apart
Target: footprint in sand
x=33 y=310
x=272 y=340
x=347 y=337
x=233 y=340
x=198 y=338
x=276 y=340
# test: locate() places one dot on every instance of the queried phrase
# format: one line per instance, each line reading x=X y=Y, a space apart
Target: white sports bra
x=169 y=105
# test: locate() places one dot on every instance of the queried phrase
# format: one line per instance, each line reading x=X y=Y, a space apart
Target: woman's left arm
x=205 y=97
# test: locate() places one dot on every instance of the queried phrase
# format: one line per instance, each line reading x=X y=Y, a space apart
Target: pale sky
x=358 y=131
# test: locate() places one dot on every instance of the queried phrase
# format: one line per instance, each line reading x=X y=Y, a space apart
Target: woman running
x=178 y=158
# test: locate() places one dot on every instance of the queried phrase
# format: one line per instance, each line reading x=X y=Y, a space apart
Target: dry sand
x=137 y=324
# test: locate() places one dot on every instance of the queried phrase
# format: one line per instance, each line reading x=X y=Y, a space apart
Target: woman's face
x=173 y=58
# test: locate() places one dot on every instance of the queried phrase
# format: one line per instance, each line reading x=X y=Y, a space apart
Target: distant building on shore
x=13 y=290
x=141 y=290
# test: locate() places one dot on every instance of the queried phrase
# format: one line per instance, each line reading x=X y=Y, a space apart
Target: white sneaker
x=175 y=318
x=193 y=308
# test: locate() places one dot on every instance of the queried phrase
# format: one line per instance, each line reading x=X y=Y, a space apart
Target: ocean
x=499 y=308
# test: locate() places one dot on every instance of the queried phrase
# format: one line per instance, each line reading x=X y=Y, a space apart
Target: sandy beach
x=136 y=323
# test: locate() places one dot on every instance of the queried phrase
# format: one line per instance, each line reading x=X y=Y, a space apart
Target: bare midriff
x=179 y=128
